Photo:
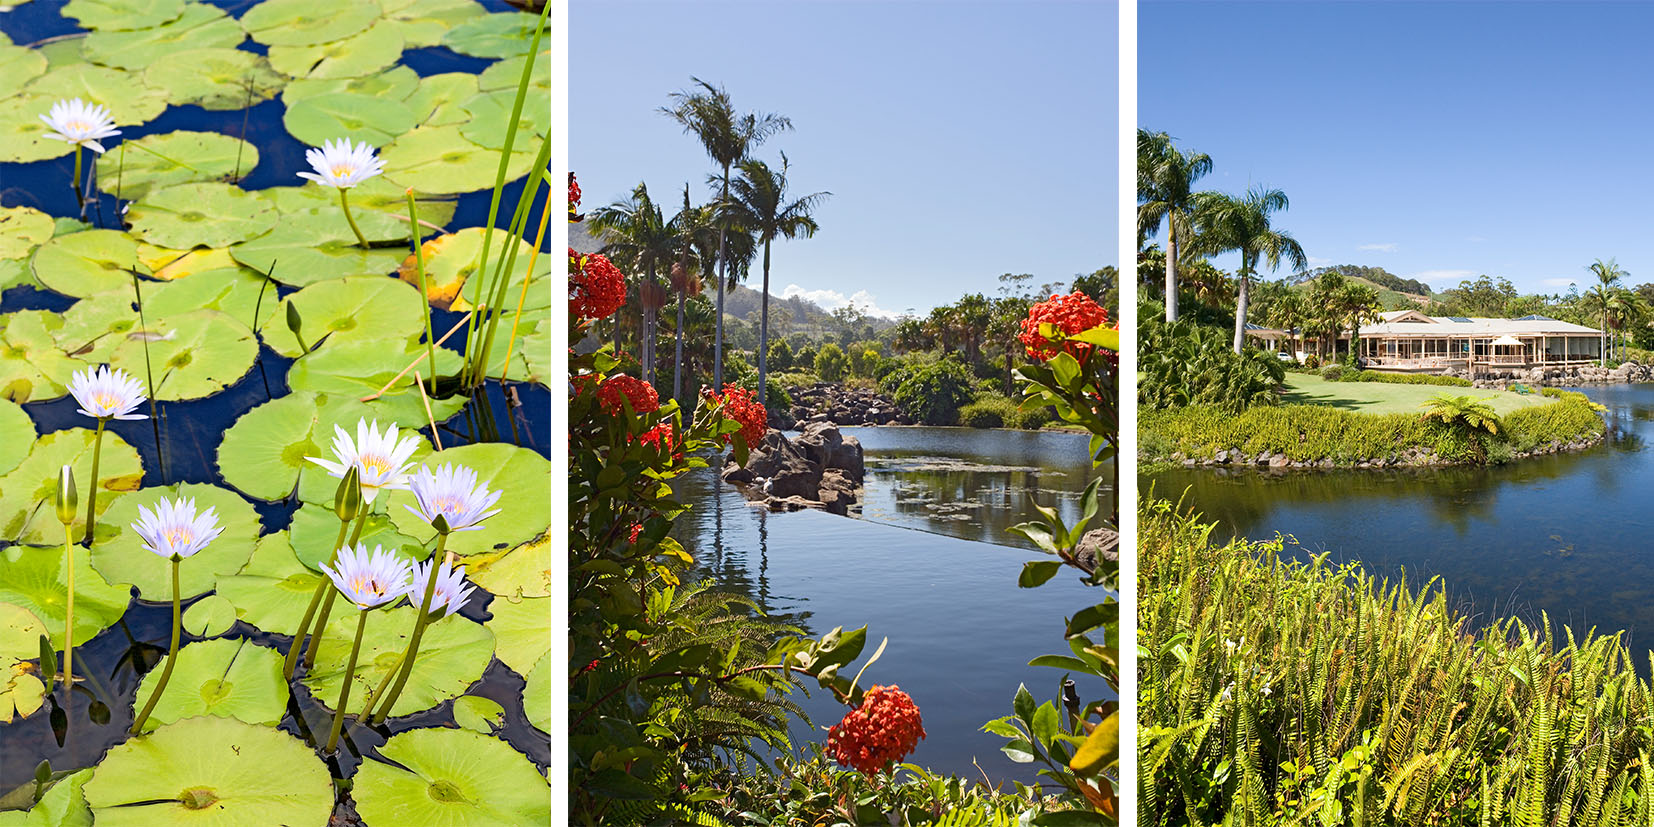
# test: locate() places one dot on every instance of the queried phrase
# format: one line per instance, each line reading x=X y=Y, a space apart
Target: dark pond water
x=179 y=445
x=1571 y=535
x=961 y=632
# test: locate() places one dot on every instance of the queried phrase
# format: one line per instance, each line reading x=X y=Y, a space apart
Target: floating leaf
x=129 y=100
x=316 y=527
x=210 y=616
x=439 y=159
x=491 y=116
x=496 y=35
x=216 y=79
x=508 y=73
x=395 y=83
x=94 y=327
x=425 y=22
x=363 y=53
x=233 y=291
x=359 y=368
x=210 y=770
x=33 y=579
x=21 y=691
x=523 y=479
x=22 y=134
x=316 y=120
x=190 y=356
x=366 y=308
x=168 y=264
x=451 y=777
x=221 y=678
x=437 y=101
x=521 y=571
x=274 y=589
x=201 y=215
x=13 y=273
x=119 y=15
x=119 y=554
x=27 y=491
x=453 y=653
x=379 y=207
x=297 y=259
x=522 y=631
x=20 y=64
x=32 y=368
x=87 y=263
x=22 y=229
x=478 y=714
x=451 y=261
x=63 y=805
x=20 y=632
x=19 y=431
x=537 y=695
x=304 y=22
x=173 y=158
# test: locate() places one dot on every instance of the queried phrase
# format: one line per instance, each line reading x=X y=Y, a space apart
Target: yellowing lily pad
x=33 y=579
x=273 y=591
x=118 y=15
x=129 y=100
x=21 y=691
x=32 y=367
x=451 y=260
x=363 y=53
x=439 y=159
x=453 y=777
x=520 y=571
x=20 y=632
x=496 y=35
x=28 y=491
x=452 y=655
x=522 y=631
x=523 y=479
x=321 y=118
x=87 y=263
x=168 y=264
x=304 y=23
x=384 y=311
x=201 y=215
x=119 y=554
x=220 y=678
x=156 y=161
x=22 y=229
x=216 y=79
x=209 y=770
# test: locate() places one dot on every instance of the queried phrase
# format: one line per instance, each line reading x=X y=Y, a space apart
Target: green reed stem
x=315 y=599
x=503 y=270
x=424 y=296
x=419 y=629
x=522 y=298
x=350 y=673
x=69 y=621
x=327 y=602
x=92 y=495
x=172 y=656
x=344 y=203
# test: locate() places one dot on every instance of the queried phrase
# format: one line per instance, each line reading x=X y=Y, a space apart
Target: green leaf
x=120 y=556
x=522 y=631
x=478 y=714
x=363 y=53
x=272 y=591
x=1003 y=728
x=201 y=26
x=154 y=162
x=223 y=678
x=296 y=258
x=454 y=777
x=523 y=478
x=27 y=492
x=192 y=355
x=537 y=695
x=201 y=215
x=215 y=79
x=1106 y=337
x=364 y=308
x=130 y=102
x=839 y=647
x=359 y=117
x=1091 y=617
x=210 y=616
x=1045 y=723
x=1019 y=751
x=1023 y=705
x=22 y=229
x=452 y=655
x=440 y=160
x=1062 y=662
x=494 y=35
x=307 y=22
x=87 y=263
x=1036 y=572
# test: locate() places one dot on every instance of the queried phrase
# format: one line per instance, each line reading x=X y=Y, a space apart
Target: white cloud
x=1443 y=278
x=831 y=300
x=1317 y=261
x=1378 y=248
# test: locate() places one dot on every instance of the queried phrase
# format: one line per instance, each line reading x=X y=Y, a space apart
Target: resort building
x=1408 y=340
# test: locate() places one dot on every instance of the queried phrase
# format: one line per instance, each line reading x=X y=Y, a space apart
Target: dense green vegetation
x=1182 y=363
x=1276 y=690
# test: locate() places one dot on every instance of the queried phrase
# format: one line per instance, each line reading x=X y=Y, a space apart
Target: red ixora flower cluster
x=637 y=528
x=663 y=438
x=743 y=406
x=642 y=396
x=1073 y=313
x=883 y=730
x=574 y=197
x=596 y=287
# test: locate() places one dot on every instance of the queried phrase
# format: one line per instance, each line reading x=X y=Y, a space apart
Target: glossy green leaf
x=22 y=134
x=307 y=22
x=297 y=259
x=439 y=159
x=452 y=655
x=272 y=591
x=364 y=53
x=220 y=678
x=520 y=571
x=496 y=35
x=439 y=99
x=87 y=263
x=201 y=215
x=173 y=158
x=385 y=312
x=27 y=491
x=32 y=365
x=1036 y=572
x=315 y=528
x=359 y=368
x=478 y=714
x=201 y=26
x=119 y=15
x=215 y=79
x=537 y=695
x=34 y=579
x=119 y=554
x=523 y=478
x=22 y=229
x=491 y=116
x=451 y=777
x=522 y=631
x=210 y=616
x=124 y=93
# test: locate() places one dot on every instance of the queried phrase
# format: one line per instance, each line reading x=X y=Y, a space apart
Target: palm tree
x=1626 y=309
x=1242 y=224
x=1288 y=313
x=708 y=114
x=1165 y=192
x=1359 y=303
x=1601 y=295
x=759 y=204
x=637 y=234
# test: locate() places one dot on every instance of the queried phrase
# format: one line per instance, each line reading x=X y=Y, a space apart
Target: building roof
x=1414 y=323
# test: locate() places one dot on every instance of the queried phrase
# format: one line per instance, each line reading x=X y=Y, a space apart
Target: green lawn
x=1383 y=397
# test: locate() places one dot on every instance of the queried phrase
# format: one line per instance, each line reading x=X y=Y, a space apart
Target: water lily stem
x=327 y=602
x=419 y=629
x=425 y=296
x=92 y=495
x=80 y=197
x=344 y=202
x=69 y=620
x=350 y=674
x=172 y=653
x=315 y=600
x=379 y=693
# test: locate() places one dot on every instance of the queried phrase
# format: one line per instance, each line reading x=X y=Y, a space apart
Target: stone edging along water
x=1413 y=457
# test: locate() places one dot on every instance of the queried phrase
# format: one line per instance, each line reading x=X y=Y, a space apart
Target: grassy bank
x=1281 y=692
x=1389 y=397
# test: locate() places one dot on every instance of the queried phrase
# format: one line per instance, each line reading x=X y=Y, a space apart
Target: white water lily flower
x=369 y=580
x=451 y=591
x=380 y=460
x=173 y=529
x=107 y=394
x=80 y=123
x=453 y=494
x=342 y=164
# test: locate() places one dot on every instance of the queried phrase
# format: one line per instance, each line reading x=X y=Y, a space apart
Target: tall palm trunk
x=723 y=266
x=1171 y=270
x=764 y=331
x=1240 y=307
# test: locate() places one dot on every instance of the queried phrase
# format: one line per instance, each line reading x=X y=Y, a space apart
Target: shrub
x=1403 y=378
x=1333 y=372
x=805 y=356
x=988 y=411
x=780 y=356
x=831 y=363
x=1186 y=364
x=794 y=378
x=933 y=393
x=864 y=357
x=1030 y=420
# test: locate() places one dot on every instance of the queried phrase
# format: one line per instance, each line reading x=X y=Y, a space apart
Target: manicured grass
x=1383 y=397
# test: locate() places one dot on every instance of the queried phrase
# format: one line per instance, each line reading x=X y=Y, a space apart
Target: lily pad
x=167 y=264
x=305 y=23
x=94 y=327
x=22 y=229
x=537 y=695
x=316 y=120
x=156 y=161
x=216 y=79
x=118 y=15
x=129 y=100
x=34 y=580
x=13 y=273
x=496 y=35
x=274 y=589
x=360 y=368
x=508 y=74
x=21 y=691
x=451 y=260
x=19 y=431
x=380 y=210
x=210 y=616
x=22 y=631
x=522 y=631
x=394 y=83
x=201 y=215
x=233 y=291
x=201 y=26
x=87 y=263
x=478 y=714
x=452 y=655
x=27 y=491
x=192 y=355
x=32 y=367
x=22 y=134
x=425 y=22
x=523 y=348
x=439 y=159
x=491 y=115
x=21 y=63
x=363 y=53
x=437 y=101
x=521 y=571
x=294 y=258
x=523 y=479
x=63 y=805
x=315 y=527
x=120 y=557
x=210 y=770
x=451 y=777
x=220 y=678
x=366 y=308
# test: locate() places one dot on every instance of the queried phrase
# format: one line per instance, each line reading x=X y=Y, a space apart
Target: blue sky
x=960 y=140
x=1436 y=141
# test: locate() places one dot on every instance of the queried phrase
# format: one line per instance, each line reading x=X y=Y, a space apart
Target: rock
x=792 y=503
x=736 y=474
x=1279 y=461
x=1097 y=543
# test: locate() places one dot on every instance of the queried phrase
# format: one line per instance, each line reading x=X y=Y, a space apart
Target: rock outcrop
x=830 y=402
x=822 y=469
x=1558 y=375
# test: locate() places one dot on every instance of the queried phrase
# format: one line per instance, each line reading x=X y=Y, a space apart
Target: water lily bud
x=66 y=498
x=441 y=524
x=294 y=323
x=347 y=500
